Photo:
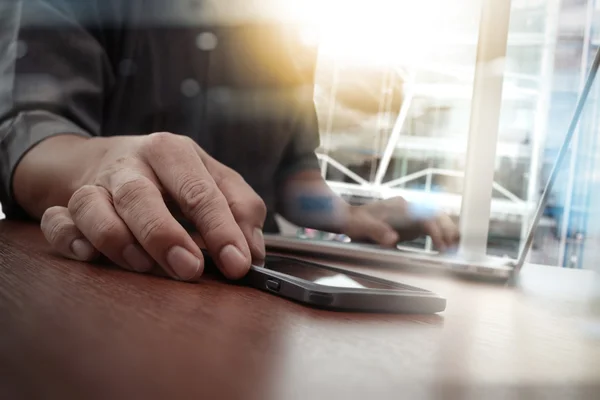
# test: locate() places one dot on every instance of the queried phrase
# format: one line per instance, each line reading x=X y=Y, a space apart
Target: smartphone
x=337 y=289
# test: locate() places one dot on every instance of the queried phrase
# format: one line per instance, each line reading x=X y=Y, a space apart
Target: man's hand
x=388 y=222
x=119 y=209
x=307 y=200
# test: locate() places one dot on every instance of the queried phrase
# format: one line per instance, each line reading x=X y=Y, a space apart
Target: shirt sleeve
x=52 y=78
x=301 y=64
x=300 y=152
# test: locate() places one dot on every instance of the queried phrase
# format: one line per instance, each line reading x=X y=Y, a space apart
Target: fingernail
x=259 y=242
x=137 y=258
x=233 y=260
x=82 y=249
x=183 y=263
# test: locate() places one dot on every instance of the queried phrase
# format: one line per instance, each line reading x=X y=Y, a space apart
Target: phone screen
x=323 y=276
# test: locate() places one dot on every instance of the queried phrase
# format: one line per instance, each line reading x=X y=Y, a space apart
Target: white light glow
x=376 y=32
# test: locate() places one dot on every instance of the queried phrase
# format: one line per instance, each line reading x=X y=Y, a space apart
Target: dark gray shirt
x=242 y=88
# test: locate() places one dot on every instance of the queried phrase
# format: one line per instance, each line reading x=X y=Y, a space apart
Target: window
x=429 y=95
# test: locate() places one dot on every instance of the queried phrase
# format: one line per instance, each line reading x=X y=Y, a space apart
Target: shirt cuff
x=20 y=134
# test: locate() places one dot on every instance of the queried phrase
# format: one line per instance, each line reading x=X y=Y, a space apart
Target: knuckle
x=106 y=233
x=251 y=207
x=151 y=228
x=57 y=230
x=81 y=201
x=161 y=137
x=120 y=167
x=158 y=141
x=188 y=141
x=129 y=194
x=211 y=220
x=50 y=215
x=156 y=145
x=200 y=202
x=259 y=206
x=197 y=196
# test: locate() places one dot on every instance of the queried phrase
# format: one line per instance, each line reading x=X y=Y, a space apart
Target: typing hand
x=390 y=221
x=120 y=210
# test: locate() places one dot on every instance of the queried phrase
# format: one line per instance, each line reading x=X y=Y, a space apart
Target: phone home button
x=273 y=285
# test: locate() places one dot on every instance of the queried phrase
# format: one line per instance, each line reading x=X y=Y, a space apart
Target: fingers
x=439 y=226
x=449 y=230
x=366 y=226
x=411 y=220
x=124 y=215
x=184 y=176
x=435 y=232
x=139 y=204
x=443 y=232
x=93 y=213
x=381 y=233
x=64 y=236
x=248 y=209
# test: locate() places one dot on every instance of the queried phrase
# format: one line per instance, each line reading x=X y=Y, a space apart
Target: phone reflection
x=323 y=276
x=339 y=280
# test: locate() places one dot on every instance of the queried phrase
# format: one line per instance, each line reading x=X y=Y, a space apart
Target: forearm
x=306 y=200
x=50 y=172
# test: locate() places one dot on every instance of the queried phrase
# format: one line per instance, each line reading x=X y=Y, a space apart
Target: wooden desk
x=70 y=330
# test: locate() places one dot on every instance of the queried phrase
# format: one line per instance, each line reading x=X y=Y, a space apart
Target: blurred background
x=397 y=76
x=421 y=58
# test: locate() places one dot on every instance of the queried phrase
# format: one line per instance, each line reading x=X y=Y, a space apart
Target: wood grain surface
x=70 y=330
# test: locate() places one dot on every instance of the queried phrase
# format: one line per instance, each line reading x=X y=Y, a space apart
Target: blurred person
x=123 y=120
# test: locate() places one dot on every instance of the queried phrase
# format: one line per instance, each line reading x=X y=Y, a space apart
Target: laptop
x=492 y=267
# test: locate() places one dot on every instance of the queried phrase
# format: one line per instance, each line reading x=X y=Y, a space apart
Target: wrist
x=50 y=172
x=320 y=211
x=337 y=218
x=306 y=200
